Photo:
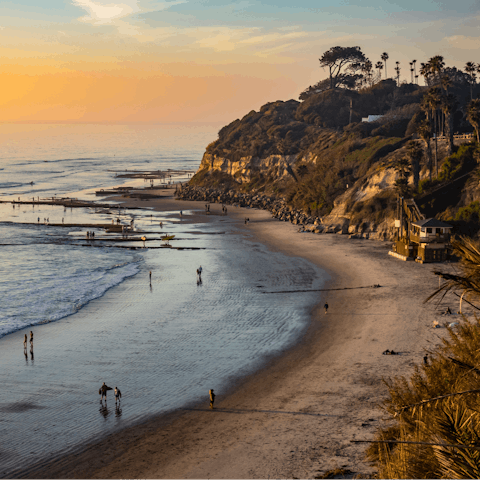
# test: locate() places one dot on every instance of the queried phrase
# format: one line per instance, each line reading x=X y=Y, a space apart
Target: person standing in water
x=150 y=276
x=31 y=338
x=212 y=398
x=326 y=308
x=118 y=395
x=25 y=342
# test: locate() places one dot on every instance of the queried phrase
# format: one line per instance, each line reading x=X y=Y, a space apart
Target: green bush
x=469 y=213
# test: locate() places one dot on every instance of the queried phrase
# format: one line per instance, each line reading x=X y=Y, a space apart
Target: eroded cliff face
x=244 y=170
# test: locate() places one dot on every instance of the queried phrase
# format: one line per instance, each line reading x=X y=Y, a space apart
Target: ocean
x=94 y=314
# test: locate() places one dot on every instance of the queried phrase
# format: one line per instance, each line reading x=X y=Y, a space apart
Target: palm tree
x=470 y=69
x=449 y=107
x=425 y=72
x=415 y=69
x=433 y=99
x=402 y=167
x=425 y=132
x=379 y=67
x=397 y=69
x=415 y=154
x=437 y=65
x=411 y=70
x=367 y=70
x=446 y=82
x=384 y=57
x=473 y=115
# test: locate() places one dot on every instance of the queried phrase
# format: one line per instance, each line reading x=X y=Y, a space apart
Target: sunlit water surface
x=165 y=343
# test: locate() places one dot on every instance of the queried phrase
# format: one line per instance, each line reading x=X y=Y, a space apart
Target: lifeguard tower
x=424 y=240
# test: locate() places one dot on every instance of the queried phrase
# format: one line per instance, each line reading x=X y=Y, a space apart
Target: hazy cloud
x=102 y=13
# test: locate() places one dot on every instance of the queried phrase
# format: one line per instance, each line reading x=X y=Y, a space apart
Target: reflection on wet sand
x=104 y=409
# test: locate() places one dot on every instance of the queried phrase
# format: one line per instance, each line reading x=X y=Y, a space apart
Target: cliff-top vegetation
x=329 y=148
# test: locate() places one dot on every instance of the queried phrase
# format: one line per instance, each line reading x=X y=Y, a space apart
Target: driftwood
x=450 y=445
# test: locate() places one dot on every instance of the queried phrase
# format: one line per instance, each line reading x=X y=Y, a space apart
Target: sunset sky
x=203 y=60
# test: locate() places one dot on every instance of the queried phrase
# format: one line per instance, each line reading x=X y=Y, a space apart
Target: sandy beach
x=295 y=417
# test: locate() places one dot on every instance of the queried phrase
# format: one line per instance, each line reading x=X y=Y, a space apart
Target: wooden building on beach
x=424 y=240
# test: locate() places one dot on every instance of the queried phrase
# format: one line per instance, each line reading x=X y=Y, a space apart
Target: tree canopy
x=339 y=61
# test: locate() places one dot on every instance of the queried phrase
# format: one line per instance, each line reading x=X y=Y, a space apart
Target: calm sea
x=72 y=160
x=96 y=317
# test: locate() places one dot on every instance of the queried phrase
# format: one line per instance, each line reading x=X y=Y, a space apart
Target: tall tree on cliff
x=473 y=115
x=449 y=107
x=384 y=57
x=470 y=69
x=425 y=132
x=415 y=154
x=338 y=60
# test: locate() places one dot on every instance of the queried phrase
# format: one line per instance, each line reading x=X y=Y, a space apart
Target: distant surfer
x=212 y=398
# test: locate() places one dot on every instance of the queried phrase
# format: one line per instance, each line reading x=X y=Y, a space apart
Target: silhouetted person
x=150 y=273
x=212 y=398
x=103 y=391
x=425 y=359
x=326 y=308
x=118 y=394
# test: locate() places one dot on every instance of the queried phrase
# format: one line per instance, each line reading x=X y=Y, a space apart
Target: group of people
x=90 y=234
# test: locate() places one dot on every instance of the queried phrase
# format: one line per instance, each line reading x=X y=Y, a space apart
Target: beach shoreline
x=294 y=417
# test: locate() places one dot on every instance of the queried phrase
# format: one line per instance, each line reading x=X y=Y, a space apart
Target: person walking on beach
x=326 y=308
x=118 y=395
x=25 y=342
x=212 y=398
x=31 y=338
x=150 y=274
x=103 y=391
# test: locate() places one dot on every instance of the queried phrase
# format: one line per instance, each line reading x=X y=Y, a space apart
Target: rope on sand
x=325 y=289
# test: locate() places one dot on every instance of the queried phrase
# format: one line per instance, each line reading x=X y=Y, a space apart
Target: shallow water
x=96 y=318
x=163 y=346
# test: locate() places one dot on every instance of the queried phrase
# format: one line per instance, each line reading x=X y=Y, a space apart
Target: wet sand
x=296 y=416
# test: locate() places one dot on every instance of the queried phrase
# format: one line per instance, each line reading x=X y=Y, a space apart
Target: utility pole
x=351 y=109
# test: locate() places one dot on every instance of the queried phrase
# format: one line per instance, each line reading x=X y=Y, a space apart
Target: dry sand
x=295 y=417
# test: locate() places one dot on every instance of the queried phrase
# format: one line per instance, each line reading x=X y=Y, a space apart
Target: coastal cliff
x=316 y=163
